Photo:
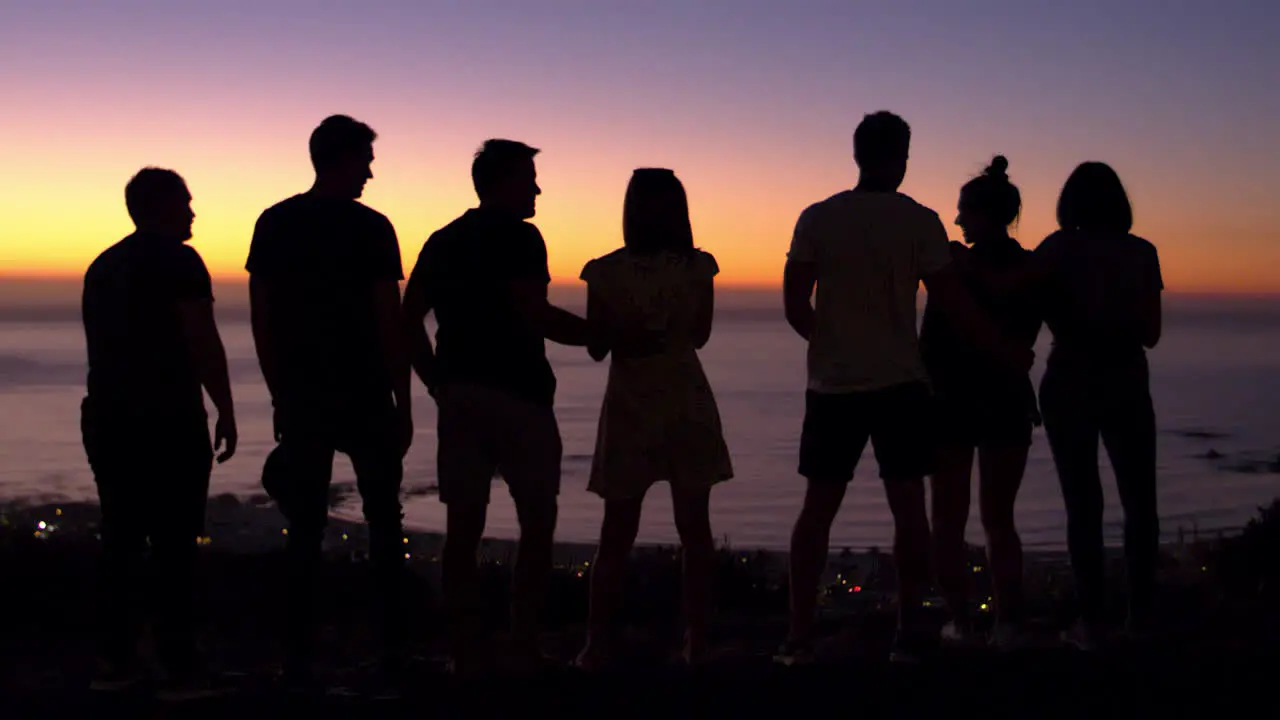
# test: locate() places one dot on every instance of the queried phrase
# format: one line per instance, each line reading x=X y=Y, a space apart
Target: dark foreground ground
x=1213 y=655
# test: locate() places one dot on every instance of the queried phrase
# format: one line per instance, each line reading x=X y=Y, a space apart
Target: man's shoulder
x=286 y=207
x=106 y=262
x=368 y=215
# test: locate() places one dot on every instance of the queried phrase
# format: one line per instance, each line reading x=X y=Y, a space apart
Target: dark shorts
x=484 y=432
x=897 y=420
x=976 y=417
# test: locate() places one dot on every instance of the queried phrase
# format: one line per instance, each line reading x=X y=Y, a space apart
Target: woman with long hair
x=982 y=407
x=659 y=420
x=1101 y=288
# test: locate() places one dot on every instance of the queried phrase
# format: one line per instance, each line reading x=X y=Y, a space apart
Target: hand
x=403 y=430
x=225 y=436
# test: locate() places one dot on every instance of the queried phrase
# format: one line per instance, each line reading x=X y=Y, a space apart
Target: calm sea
x=1215 y=378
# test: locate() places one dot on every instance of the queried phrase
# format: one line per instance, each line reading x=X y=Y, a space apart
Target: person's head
x=989 y=203
x=655 y=214
x=505 y=177
x=342 y=154
x=159 y=203
x=1094 y=199
x=880 y=147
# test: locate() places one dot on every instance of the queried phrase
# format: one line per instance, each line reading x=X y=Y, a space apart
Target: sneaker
x=955 y=634
x=114 y=677
x=793 y=653
x=1082 y=636
x=188 y=686
x=1007 y=637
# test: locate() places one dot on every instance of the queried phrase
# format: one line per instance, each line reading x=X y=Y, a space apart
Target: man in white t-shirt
x=867 y=250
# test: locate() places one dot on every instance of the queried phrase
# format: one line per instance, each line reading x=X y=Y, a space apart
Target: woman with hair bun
x=982 y=407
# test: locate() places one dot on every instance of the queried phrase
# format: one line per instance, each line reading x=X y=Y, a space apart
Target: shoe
x=1082 y=636
x=115 y=677
x=794 y=652
x=957 y=635
x=188 y=686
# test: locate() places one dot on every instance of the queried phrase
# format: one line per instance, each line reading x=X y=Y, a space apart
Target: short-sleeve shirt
x=325 y=257
x=140 y=367
x=659 y=291
x=467 y=272
x=1098 y=285
x=871 y=251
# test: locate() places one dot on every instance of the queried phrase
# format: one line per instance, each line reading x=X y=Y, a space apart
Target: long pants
x=1079 y=405
x=298 y=475
x=153 y=482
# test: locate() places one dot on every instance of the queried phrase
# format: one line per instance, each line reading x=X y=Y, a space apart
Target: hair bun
x=999 y=167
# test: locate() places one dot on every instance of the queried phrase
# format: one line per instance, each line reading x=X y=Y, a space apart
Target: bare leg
x=1001 y=471
x=910 y=548
x=810 y=543
x=465 y=525
x=950 y=515
x=693 y=522
x=617 y=536
x=533 y=570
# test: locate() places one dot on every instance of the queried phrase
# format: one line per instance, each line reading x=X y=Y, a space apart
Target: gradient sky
x=753 y=103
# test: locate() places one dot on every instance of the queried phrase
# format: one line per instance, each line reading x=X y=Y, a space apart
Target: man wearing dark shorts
x=866 y=250
x=324 y=273
x=153 y=349
x=485 y=277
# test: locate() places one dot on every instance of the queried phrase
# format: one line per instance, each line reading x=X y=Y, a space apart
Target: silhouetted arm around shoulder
x=417 y=303
x=210 y=358
x=798 y=281
x=944 y=288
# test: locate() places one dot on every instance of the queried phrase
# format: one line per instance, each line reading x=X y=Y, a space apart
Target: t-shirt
x=660 y=292
x=870 y=250
x=468 y=270
x=326 y=256
x=950 y=356
x=1097 y=286
x=140 y=367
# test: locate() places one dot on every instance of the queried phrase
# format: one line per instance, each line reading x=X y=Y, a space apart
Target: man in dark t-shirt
x=153 y=350
x=324 y=287
x=485 y=277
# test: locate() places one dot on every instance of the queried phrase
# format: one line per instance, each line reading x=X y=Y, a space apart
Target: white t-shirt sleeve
x=803 y=245
x=933 y=249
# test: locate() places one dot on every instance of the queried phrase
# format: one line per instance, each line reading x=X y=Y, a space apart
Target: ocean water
x=1215 y=380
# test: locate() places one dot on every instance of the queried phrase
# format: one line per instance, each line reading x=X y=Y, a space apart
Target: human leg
x=306 y=462
x=950 y=499
x=617 y=536
x=1129 y=434
x=697 y=547
x=1001 y=468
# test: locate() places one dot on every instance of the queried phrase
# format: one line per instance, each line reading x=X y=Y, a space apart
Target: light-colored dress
x=659 y=420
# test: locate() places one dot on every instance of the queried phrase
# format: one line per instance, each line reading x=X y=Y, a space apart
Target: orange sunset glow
x=757 y=127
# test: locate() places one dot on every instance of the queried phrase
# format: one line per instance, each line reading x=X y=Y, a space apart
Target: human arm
x=386 y=273
x=800 y=277
x=1151 y=311
x=419 y=295
x=705 y=273
x=597 y=311
x=204 y=343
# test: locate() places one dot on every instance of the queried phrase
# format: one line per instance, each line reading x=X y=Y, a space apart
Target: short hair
x=992 y=194
x=1093 y=198
x=655 y=214
x=148 y=188
x=495 y=160
x=880 y=137
x=336 y=137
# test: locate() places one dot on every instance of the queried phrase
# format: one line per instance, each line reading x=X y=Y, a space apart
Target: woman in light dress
x=659 y=419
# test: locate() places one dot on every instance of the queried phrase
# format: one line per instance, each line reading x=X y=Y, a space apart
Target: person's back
x=325 y=256
x=1100 y=284
x=870 y=250
x=140 y=368
x=471 y=265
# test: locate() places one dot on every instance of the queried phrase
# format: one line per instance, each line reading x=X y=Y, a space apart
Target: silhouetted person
x=324 y=287
x=1101 y=290
x=659 y=420
x=485 y=277
x=867 y=250
x=153 y=349
x=982 y=405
